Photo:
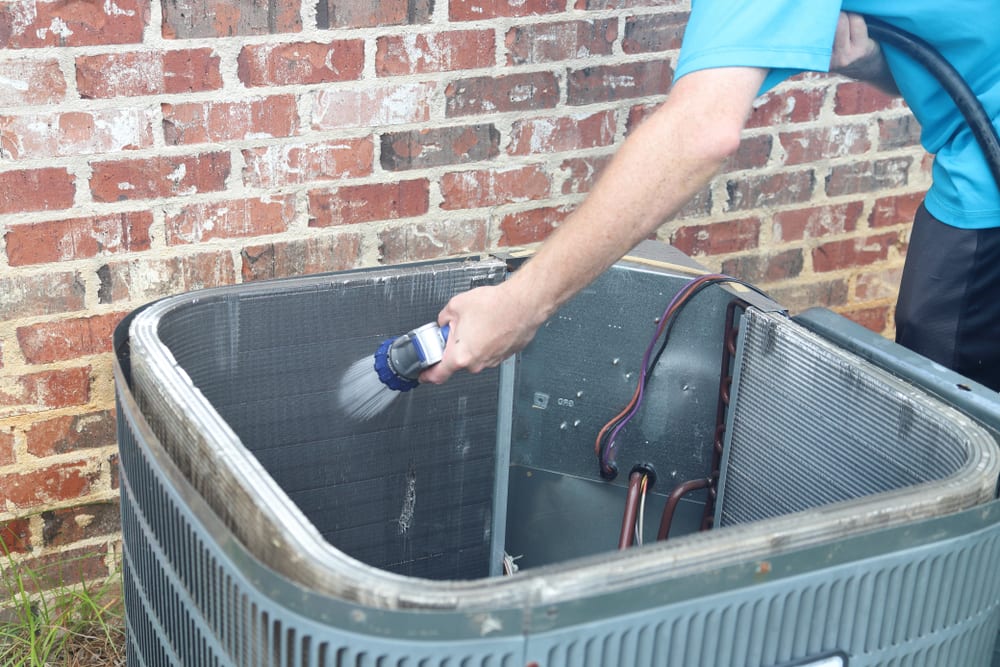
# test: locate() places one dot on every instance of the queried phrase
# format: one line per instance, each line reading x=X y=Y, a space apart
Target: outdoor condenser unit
x=850 y=489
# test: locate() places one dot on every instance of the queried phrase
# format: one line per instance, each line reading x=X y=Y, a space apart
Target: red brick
x=355 y=204
x=374 y=107
x=927 y=165
x=416 y=241
x=186 y=19
x=816 y=222
x=482 y=10
x=301 y=63
x=196 y=223
x=581 y=173
x=608 y=83
x=791 y=106
x=877 y=285
x=850 y=253
x=435 y=147
x=568 y=133
x=15 y=538
x=699 y=206
x=28 y=82
x=200 y=122
x=293 y=164
x=717 y=238
x=593 y=5
x=78 y=238
x=755 y=191
x=63 y=527
x=372 y=14
x=148 y=279
x=902 y=132
x=31 y=24
x=824 y=143
x=47 y=342
x=44 y=391
x=148 y=73
x=493 y=187
x=398 y=55
x=802 y=295
x=61 y=569
x=871 y=176
x=153 y=178
x=767 y=268
x=654 y=32
x=753 y=153
x=491 y=94
x=6 y=447
x=314 y=254
x=564 y=40
x=71 y=433
x=638 y=113
x=856 y=97
x=874 y=318
x=526 y=227
x=895 y=210
x=27 y=190
x=73 y=133
x=115 y=471
x=40 y=294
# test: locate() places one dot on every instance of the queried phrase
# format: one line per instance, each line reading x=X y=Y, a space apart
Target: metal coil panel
x=812 y=425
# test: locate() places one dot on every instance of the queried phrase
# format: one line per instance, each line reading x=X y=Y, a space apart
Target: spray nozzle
x=399 y=361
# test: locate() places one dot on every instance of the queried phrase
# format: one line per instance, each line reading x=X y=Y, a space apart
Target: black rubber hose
x=968 y=104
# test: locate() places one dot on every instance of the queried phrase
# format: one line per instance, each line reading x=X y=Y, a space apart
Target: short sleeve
x=785 y=36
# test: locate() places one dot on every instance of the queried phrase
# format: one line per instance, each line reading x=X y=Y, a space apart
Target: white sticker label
x=830 y=661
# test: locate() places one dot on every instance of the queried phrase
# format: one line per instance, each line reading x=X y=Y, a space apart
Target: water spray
x=370 y=386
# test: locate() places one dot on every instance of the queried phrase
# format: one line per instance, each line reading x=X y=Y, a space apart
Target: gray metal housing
x=261 y=529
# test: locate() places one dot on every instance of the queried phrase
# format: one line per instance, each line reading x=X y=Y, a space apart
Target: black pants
x=949 y=298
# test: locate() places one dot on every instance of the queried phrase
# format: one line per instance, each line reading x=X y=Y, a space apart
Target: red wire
x=631 y=509
x=688 y=291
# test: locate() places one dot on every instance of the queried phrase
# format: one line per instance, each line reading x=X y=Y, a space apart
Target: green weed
x=46 y=623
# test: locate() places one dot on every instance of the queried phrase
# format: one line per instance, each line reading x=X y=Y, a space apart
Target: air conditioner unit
x=822 y=507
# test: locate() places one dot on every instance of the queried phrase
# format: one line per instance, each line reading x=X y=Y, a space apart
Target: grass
x=61 y=625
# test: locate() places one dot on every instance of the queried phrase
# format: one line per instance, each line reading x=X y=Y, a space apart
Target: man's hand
x=488 y=324
x=858 y=56
x=852 y=45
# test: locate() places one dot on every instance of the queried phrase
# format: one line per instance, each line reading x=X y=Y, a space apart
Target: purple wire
x=682 y=293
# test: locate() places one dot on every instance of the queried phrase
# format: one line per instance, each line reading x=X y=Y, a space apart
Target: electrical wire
x=640 y=521
x=636 y=481
x=605 y=445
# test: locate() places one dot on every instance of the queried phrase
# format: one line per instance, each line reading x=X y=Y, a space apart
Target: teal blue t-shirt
x=790 y=36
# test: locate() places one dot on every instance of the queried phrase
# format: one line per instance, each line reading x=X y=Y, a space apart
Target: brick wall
x=149 y=148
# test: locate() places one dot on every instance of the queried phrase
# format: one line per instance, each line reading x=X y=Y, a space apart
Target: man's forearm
x=662 y=165
x=668 y=159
